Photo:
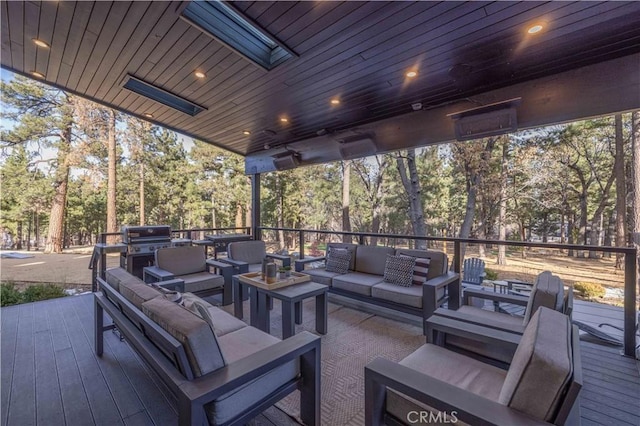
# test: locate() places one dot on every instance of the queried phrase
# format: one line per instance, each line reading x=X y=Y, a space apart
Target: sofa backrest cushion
x=247 y=251
x=114 y=276
x=542 y=366
x=439 y=262
x=196 y=336
x=372 y=259
x=137 y=292
x=349 y=247
x=182 y=260
x=547 y=291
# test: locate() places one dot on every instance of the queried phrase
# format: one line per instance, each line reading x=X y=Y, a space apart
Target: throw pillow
x=420 y=270
x=170 y=295
x=399 y=270
x=338 y=261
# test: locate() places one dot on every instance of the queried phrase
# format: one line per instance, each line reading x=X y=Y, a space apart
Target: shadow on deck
x=51 y=376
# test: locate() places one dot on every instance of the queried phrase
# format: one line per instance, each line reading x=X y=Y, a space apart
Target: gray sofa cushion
x=338 y=260
x=372 y=259
x=240 y=344
x=439 y=263
x=547 y=291
x=541 y=367
x=357 y=282
x=410 y=296
x=137 y=292
x=348 y=246
x=182 y=260
x=450 y=367
x=321 y=275
x=247 y=251
x=220 y=321
x=114 y=276
x=197 y=337
x=398 y=270
x=201 y=281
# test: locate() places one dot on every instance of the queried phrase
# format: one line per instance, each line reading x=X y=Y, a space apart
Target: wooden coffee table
x=291 y=292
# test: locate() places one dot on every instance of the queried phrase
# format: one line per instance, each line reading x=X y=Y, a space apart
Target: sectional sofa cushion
x=410 y=296
x=450 y=367
x=371 y=259
x=541 y=367
x=201 y=281
x=181 y=260
x=248 y=251
x=137 y=292
x=357 y=282
x=240 y=344
x=398 y=270
x=547 y=291
x=199 y=341
x=114 y=276
x=338 y=260
x=438 y=261
x=321 y=275
x=220 y=321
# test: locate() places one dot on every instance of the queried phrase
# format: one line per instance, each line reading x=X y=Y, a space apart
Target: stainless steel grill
x=142 y=243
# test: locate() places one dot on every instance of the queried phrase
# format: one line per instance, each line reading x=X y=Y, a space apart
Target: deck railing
x=630 y=263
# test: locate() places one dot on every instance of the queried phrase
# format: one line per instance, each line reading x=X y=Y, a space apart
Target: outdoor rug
x=354 y=339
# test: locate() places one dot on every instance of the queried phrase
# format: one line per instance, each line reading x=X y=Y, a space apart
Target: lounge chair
x=472 y=277
x=541 y=385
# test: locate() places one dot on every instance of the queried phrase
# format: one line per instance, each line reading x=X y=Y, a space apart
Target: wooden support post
x=255 y=207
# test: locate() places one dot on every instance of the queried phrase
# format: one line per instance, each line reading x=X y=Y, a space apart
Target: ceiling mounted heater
x=286 y=162
x=489 y=120
x=357 y=146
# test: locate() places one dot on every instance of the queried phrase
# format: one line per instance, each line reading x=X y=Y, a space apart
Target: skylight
x=225 y=24
x=160 y=95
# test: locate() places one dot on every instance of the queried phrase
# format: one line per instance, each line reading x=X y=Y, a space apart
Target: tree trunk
x=112 y=221
x=346 y=190
x=635 y=179
x=621 y=193
x=411 y=185
x=56 y=218
x=570 y=232
x=596 y=220
x=502 y=214
x=143 y=218
x=610 y=231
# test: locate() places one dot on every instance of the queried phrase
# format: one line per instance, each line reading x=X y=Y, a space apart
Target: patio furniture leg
x=321 y=313
x=237 y=299
x=298 y=309
x=263 y=320
x=254 y=307
x=310 y=389
x=375 y=394
x=288 y=326
x=99 y=320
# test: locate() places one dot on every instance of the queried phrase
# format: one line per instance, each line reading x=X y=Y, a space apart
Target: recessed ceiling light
x=335 y=101
x=535 y=29
x=37 y=74
x=148 y=115
x=284 y=119
x=41 y=43
x=411 y=74
x=246 y=132
x=200 y=74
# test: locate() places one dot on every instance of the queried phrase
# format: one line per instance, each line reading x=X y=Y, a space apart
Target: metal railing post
x=630 y=293
x=301 y=243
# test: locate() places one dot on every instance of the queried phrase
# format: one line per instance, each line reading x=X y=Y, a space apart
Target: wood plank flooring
x=51 y=376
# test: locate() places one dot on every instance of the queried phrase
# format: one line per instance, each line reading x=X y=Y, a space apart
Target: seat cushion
x=201 y=281
x=492 y=319
x=541 y=367
x=137 y=292
x=458 y=370
x=182 y=260
x=547 y=291
x=247 y=251
x=197 y=337
x=356 y=282
x=114 y=276
x=338 y=260
x=321 y=275
x=372 y=259
x=438 y=261
x=398 y=270
x=220 y=321
x=237 y=345
x=410 y=296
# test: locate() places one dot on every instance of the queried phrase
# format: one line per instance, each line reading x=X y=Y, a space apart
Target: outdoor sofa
x=221 y=371
x=364 y=279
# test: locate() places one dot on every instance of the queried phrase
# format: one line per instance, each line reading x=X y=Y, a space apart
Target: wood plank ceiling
x=357 y=52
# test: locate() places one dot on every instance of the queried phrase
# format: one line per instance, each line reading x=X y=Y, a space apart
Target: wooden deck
x=51 y=376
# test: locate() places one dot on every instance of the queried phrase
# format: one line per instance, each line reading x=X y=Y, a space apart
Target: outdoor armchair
x=189 y=264
x=541 y=385
x=247 y=256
